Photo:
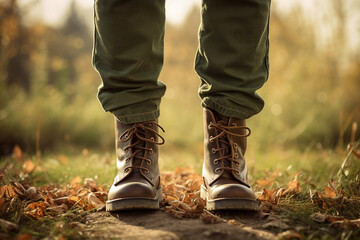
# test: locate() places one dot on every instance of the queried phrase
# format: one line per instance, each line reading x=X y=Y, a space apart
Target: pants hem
x=136 y=118
x=226 y=111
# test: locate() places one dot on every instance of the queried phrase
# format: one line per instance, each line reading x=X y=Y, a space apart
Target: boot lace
x=137 y=133
x=226 y=157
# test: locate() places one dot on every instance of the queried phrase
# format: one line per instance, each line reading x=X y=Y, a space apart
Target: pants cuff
x=238 y=112
x=136 y=118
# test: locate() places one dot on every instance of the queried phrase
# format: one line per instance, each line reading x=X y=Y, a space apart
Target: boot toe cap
x=131 y=190
x=231 y=191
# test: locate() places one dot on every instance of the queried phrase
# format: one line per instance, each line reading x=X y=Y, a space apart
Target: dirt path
x=160 y=225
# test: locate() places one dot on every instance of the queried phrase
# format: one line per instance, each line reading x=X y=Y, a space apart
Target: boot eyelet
x=216 y=162
x=217 y=170
x=209 y=126
x=126 y=170
x=127 y=160
x=236 y=155
x=213 y=150
x=126 y=135
x=152 y=139
x=237 y=172
x=148 y=162
x=151 y=151
x=237 y=164
x=147 y=171
x=211 y=139
x=234 y=124
x=235 y=145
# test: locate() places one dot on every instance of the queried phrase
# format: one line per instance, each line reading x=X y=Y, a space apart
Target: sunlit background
x=48 y=87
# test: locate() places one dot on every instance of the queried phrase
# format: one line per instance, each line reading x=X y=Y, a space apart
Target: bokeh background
x=48 y=87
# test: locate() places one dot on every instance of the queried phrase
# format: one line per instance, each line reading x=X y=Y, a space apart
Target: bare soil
x=161 y=225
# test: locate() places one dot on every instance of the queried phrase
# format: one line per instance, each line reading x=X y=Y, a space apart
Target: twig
x=38 y=152
x=348 y=156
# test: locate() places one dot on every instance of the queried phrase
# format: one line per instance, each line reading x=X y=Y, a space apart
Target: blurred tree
x=65 y=45
x=15 y=46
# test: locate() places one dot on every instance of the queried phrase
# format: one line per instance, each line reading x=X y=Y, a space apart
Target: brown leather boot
x=137 y=184
x=226 y=184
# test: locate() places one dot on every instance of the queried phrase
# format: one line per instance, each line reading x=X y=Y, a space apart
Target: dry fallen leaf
x=329 y=192
x=276 y=223
x=25 y=236
x=181 y=193
x=7 y=191
x=28 y=166
x=2 y=203
x=60 y=209
x=35 y=210
x=73 y=199
x=318 y=217
x=9 y=226
x=85 y=152
x=59 y=226
x=180 y=205
x=63 y=159
x=32 y=194
x=272 y=196
x=208 y=217
x=295 y=185
x=346 y=224
x=289 y=235
x=18 y=153
x=265 y=182
x=92 y=199
x=91 y=184
x=76 y=180
x=322 y=218
x=18 y=188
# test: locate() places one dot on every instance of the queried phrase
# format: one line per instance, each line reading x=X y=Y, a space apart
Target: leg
x=128 y=54
x=232 y=62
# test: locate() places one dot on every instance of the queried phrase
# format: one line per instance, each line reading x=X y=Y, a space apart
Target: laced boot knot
x=225 y=147
x=137 y=135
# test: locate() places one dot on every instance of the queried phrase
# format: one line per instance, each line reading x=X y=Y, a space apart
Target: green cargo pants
x=232 y=59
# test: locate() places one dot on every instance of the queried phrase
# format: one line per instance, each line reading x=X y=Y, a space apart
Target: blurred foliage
x=312 y=98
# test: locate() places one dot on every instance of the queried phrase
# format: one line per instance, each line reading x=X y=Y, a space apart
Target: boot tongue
x=224 y=121
x=137 y=161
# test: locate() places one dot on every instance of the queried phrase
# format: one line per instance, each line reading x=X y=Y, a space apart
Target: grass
x=293 y=135
x=314 y=168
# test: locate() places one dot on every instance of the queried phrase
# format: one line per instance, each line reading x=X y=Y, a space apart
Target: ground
x=48 y=200
x=160 y=225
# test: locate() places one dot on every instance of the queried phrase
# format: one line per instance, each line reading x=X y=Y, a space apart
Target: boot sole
x=229 y=203
x=134 y=203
